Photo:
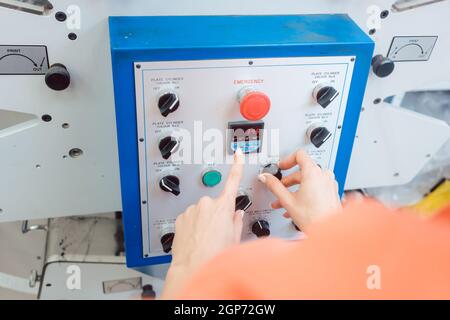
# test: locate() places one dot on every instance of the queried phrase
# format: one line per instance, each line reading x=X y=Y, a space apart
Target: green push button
x=211 y=178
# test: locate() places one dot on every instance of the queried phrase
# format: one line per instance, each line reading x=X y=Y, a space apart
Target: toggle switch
x=261 y=228
x=170 y=183
x=318 y=134
x=168 y=102
x=243 y=202
x=325 y=94
x=254 y=105
x=272 y=169
x=168 y=145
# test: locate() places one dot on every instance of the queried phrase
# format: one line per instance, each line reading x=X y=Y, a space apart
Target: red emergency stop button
x=254 y=105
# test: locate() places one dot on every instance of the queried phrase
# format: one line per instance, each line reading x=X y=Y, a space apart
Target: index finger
x=235 y=175
x=300 y=158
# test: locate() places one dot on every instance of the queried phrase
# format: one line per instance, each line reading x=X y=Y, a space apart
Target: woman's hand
x=316 y=197
x=204 y=230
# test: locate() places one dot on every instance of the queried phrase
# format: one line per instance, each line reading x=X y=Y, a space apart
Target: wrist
x=176 y=278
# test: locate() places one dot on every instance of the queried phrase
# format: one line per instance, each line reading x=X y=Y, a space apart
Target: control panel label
x=23 y=60
x=415 y=48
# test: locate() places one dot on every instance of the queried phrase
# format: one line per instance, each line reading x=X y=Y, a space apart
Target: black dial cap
x=170 y=184
x=167 y=146
x=382 y=66
x=168 y=103
x=243 y=202
x=326 y=95
x=261 y=228
x=166 y=241
x=319 y=136
x=272 y=169
x=148 y=292
x=57 y=77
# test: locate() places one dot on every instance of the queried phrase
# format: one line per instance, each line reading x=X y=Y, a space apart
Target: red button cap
x=255 y=105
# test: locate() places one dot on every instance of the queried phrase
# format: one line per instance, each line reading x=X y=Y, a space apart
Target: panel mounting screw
x=384 y=14
x=60 y=16
x=75 y=152
x=46 y=118
x=72 y=36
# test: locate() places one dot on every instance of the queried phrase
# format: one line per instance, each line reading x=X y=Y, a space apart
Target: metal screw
x=46 y=118
x=60 y=16
x=75 y=152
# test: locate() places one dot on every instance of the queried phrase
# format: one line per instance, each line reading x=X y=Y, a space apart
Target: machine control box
x=187 y=97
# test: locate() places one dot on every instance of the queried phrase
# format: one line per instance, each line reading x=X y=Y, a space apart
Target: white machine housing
x=40 y=177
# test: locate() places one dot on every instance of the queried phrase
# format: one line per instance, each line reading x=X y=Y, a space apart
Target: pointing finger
x=234 y=177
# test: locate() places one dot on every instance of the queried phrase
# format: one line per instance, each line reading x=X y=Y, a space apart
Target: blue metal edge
x=125 y=103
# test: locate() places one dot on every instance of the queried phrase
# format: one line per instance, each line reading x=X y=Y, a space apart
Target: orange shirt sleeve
x=367 y=252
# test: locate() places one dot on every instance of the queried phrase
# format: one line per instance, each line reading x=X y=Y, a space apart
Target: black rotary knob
x=318 y=135
x=168 y=102
x=170 y=184
x=166 y=241
x=243 y=202
x=168 y=146
x=261 y=228
x=325 y=94
x=57 y=77
x=272 y=169
x=148 y=292
x=382 y=66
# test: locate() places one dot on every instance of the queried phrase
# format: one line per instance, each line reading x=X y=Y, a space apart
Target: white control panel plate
x=208 y=91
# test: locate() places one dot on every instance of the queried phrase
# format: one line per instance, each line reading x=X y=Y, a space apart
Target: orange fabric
x=412 y=254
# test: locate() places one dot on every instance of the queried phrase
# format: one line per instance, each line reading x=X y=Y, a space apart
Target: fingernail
x=241 y=212
x=238 y=151
x=262 y=177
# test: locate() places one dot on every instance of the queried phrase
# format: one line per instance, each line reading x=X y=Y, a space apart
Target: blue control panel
x=300 y=78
